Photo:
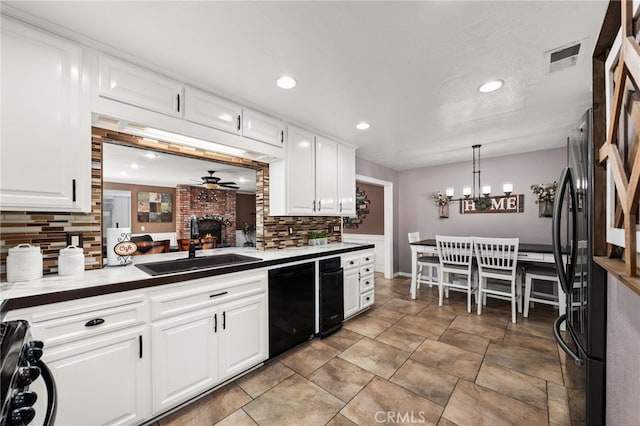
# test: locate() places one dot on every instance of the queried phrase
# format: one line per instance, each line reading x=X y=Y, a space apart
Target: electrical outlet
x=74 y=239
x=291 y=230
x=336 y=228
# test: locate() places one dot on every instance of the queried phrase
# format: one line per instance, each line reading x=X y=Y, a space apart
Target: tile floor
x=408 y=362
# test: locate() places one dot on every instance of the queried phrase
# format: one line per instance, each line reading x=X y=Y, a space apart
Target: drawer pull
x=224 y=320
x=94 y=322
x=222 y=293
x=351 y=263
x=215 y=323
x=368 y=298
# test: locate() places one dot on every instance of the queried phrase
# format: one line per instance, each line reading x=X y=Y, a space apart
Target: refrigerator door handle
x=556 y=332
x=565 y=276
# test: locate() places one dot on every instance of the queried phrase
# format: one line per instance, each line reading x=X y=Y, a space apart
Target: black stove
x=20 y=365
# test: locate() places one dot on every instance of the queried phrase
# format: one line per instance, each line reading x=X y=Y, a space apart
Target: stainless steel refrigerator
x=583 y=281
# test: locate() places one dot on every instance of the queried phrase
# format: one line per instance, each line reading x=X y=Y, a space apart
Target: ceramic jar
x=24 y=263
x=71 y=261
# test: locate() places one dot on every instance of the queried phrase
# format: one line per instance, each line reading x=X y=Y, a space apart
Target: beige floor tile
x=411 y=307
x=525 y=360
x=342 y=339
x=427 y=382
x=475 y=324
x=576 y=405
x=237 y=418
x=381 y=402
x=340 y=420
x=445 y=422
x=474 y=405
x=376 y=357
x=529 y=389
x=540 y=344
x=263 y=379
x=558 y=403
x=446 y=313
x=309 y=357
x=210 y=409
x=469 y=342
x=534 y=327
x=448 y=358
x=367 y=325
x=381 y=299
x=400 y=338
x=385 y=314
x=343 y=379
x=296 y=401
x=427 y=327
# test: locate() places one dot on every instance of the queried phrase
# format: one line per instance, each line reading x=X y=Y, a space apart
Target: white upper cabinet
x=300 y=167
x=346 y=180
x=326 y=176
x=125 y=82
x=204 y=108
x=46 y=124
x=261 y=127
x=314 y=177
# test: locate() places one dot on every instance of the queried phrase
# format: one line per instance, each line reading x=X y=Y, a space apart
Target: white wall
x=417 y=211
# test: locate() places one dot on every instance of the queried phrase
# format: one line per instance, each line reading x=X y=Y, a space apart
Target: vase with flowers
x=442 y=201
x=545 y=197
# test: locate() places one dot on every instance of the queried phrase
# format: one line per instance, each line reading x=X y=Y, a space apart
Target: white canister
x=24 y=263
x=71 y=261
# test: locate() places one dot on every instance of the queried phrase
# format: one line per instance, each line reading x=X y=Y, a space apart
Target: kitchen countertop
x=111 y=279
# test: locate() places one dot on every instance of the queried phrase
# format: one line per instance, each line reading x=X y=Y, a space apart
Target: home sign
x=498 y=204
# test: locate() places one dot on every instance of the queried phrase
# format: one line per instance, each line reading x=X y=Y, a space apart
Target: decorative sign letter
x=499 y=204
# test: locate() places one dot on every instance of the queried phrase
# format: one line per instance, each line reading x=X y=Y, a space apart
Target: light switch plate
x=74 y=239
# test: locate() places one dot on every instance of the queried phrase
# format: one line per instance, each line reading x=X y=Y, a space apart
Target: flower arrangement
x=440 y=199
x=545 y=193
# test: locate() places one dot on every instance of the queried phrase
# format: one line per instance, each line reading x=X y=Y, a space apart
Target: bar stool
x=430 y=263
x=555 y=297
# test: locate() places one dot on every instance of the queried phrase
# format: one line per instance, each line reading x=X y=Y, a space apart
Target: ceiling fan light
x=209 y=185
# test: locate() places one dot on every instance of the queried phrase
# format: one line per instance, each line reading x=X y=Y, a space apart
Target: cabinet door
x=112 y=371
x=326 y=176
x=46 y=125
x=130 y=84
x=204 y=108
x=260 y=127
x=346 y=180
x=300 y=164
x=351 y=292
x=184 y=357
x=243 y=338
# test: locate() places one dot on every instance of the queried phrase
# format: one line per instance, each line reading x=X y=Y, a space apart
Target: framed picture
x=155 y=207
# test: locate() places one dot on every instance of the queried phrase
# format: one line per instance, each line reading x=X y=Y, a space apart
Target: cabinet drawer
x=366 y=270
x=366 y=299
x=350 y=261
x=366 y=283
x=366 y=259
x=90 y=323
x=205 y=292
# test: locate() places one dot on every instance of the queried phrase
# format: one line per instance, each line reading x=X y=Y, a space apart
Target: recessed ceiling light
x=151 y=155
x=286 y=82
x=491 y=86
x=363 y=125
x=134 y=165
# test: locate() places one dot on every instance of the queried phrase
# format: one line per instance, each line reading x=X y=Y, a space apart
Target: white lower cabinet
x=183 y=364
x=359 y=283
x=204 y=333
x=103 y=380
x=243 y=339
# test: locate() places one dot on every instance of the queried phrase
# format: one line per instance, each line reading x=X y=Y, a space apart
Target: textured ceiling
x=411 y=69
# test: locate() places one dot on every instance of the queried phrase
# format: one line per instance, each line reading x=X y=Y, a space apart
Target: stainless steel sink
x=184 y=265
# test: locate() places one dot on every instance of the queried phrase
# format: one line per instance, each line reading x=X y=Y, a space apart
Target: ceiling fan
x=213 y=182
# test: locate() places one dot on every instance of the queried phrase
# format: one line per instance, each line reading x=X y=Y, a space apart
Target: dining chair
x=497 y=261
x=425 y=261
x=534 y=288
x=455 y=255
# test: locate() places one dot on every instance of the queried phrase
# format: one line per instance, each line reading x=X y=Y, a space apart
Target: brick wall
x=187 y=204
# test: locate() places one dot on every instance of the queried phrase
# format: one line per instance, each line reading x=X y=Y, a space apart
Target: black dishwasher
x=331 y=296
x=292 y=306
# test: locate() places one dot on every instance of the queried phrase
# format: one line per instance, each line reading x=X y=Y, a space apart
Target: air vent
x=561 y=58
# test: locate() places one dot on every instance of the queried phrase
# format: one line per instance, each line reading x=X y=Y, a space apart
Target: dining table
x=527 y=252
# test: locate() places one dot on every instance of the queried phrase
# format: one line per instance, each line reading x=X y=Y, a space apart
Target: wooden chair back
x=455 y=252
x=497 y=254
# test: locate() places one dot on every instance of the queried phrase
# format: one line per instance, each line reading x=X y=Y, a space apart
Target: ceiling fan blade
x=230 y=186
x=226 y=183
